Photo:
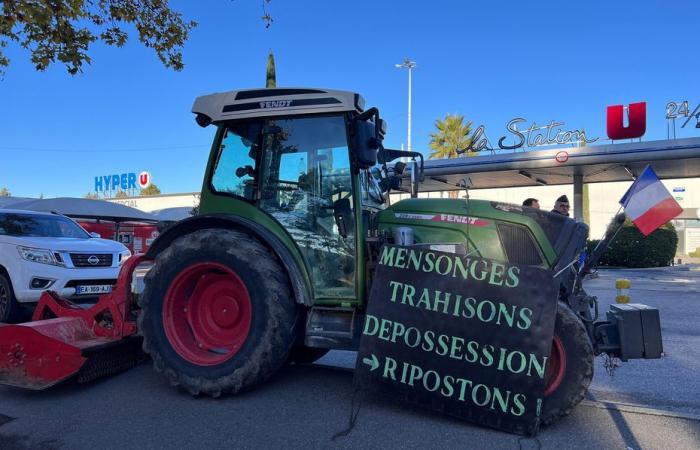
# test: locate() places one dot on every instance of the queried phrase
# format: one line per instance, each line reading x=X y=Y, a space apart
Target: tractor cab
x=298 y=162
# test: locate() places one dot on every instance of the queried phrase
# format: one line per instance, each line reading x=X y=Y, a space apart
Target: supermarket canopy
x=676 y=158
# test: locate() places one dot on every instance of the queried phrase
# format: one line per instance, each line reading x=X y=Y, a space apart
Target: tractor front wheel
x=569 y=368
x=217 y=312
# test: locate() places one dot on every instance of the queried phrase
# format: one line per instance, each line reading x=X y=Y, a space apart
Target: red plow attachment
x=64 y=340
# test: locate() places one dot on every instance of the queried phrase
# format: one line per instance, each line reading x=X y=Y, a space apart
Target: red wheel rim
x=556 y=367
x=207 y=313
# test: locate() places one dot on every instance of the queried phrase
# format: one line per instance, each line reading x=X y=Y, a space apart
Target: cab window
x=371 y=192
x=234 y=171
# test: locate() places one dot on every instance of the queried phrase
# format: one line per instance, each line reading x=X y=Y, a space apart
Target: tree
x=152 y=189
x=121 y=194
x=271 y=79
x=452 y=137
x=4 y=192
x=63 y=30
x=451 y=140
x=91 y=196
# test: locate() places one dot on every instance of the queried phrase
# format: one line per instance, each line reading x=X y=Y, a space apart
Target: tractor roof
x=275 y=102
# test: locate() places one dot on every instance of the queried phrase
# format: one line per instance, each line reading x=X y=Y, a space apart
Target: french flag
x=648 y=203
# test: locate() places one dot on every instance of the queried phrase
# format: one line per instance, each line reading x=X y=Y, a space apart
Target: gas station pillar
x=578 y=197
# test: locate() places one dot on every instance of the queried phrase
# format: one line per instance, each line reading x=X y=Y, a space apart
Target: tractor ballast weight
x=64 y=340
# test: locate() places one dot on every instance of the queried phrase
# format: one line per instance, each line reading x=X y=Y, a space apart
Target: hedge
x=631 y=249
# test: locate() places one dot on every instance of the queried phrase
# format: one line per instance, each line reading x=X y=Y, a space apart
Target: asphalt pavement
x=643 y=405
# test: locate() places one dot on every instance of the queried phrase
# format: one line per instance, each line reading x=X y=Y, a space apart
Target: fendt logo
x=637 y=123
x=275 y=104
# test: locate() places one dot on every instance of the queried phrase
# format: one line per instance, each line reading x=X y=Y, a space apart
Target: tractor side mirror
x=366 y=143
x=342 y=212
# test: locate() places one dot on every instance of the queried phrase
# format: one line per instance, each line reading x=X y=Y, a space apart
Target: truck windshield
x=14 y=224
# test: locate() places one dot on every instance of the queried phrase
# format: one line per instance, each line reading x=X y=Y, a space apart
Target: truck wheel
x=217 y=313
x=569 y=368
x=9 y=308
x=306 y=355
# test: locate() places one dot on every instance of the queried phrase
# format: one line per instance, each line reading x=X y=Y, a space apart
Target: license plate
x=93 y=289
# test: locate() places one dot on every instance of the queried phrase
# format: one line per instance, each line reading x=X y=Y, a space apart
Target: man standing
x=561 y=206
x=532 y=203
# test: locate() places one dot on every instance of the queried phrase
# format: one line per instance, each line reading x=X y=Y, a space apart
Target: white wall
x=155 y=202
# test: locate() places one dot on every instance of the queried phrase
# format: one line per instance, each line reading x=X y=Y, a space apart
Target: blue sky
x=490 y=61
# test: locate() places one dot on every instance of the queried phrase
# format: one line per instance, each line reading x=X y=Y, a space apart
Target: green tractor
x=278 y=264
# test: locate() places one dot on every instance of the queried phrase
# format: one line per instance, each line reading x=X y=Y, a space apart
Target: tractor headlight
x=123 y=256
x=38 y=255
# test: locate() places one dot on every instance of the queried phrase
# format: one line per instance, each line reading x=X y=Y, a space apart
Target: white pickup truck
x=42 y=251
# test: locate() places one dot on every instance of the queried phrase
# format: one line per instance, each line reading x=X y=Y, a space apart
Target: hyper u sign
x=122 y=181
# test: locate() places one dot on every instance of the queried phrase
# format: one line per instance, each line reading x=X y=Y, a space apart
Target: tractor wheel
x=306 y=355
x=569 y=368
x=217 y=313
x=9 y=308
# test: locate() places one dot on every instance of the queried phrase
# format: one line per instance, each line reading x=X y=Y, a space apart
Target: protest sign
x=462 y=335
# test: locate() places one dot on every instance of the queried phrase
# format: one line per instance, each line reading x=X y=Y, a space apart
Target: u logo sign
x=144 y=180
x=637 y=125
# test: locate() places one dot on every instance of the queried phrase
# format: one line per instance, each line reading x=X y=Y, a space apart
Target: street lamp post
x=408 y=64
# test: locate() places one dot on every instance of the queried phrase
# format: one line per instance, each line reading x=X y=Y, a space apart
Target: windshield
x=13 y=224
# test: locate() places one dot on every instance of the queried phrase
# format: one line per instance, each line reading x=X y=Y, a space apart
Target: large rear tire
x=570 y=367
x=217 y=315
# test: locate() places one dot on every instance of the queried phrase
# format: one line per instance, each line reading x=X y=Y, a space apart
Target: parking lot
x=644 y=404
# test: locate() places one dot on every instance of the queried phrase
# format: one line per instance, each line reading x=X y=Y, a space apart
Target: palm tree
x=451 y=140
x=452 y=137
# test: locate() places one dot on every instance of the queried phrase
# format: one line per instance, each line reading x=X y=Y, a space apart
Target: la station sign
x=553 y=133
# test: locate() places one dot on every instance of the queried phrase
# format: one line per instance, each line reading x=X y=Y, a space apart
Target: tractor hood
x=500 y=231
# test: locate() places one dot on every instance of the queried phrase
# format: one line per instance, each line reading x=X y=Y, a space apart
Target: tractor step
x=336 y=328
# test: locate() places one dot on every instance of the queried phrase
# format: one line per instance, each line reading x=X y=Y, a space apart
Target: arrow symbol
x=373 y=362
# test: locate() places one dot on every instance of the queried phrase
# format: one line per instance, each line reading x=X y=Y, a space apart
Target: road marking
x=639 y=409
